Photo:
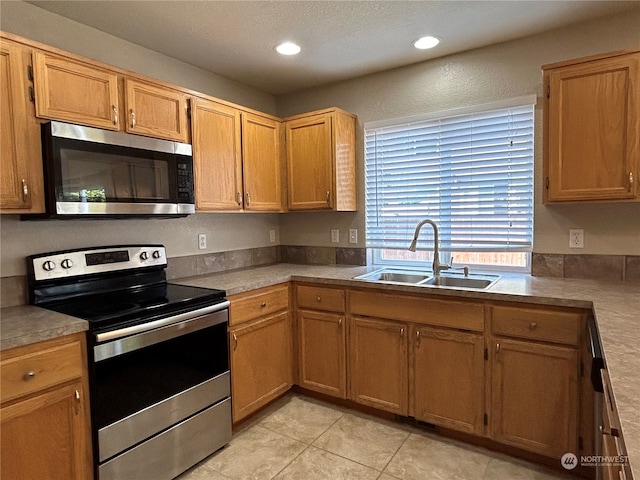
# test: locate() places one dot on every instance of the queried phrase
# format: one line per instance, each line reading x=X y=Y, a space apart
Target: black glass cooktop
x=108 y=311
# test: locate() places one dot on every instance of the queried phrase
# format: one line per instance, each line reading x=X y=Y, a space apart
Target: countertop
x=616 y=307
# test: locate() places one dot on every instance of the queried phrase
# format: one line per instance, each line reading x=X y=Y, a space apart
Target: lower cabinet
x=321 y=352
x=261 y=363
x=535 y=385
x=44 y=418
x=447 y=381
x=378 y=360
x=322 y=334
x=260 y=339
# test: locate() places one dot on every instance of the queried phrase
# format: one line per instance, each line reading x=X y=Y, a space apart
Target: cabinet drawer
x=254 y=304
x=462 y=315
x=546 y=325
x=320 y=298
x=40 y=369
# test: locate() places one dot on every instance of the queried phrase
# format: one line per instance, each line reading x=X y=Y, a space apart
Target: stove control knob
x=66 y=263
x=144 y=256
x=156 y=254
x=48 y=265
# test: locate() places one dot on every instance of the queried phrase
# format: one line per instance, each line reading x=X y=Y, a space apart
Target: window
x=469 y=170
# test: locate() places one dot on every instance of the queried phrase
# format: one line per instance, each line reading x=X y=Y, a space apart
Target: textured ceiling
x=339 y=39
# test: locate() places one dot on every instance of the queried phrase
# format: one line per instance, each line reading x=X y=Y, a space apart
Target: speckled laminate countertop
x=616 y=307
x=27 y=324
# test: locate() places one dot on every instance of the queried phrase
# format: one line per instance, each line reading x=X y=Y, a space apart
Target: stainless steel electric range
x=158 y=357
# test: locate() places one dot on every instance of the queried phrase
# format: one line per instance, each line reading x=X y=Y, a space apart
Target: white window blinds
x=471 y=173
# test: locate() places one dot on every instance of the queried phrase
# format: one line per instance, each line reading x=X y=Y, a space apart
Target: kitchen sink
x=415 y=277
x=472 y=281
x=396 y=275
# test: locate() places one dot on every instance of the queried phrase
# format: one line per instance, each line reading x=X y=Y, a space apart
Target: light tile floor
x=300 y=438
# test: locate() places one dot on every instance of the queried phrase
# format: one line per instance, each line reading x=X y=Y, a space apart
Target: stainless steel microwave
x=94 y=173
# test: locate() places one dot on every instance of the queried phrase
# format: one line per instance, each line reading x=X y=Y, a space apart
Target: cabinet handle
x=263 y=304
x=340 y=323
x=235 y=342
x=328 y=198
x=248 y=199
x=239 y=195
x=77 y=397
x=417 y=338
x=497 y=347
x=533 y=325
x=133 y=118
x=630 y=180
x=613 y=432
x=29 y=376
x=115 y=114
x=25 y=191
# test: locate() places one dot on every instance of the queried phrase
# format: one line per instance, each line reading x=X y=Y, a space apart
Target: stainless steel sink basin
x=472 y=281
x=395 y=275
x=416 y=277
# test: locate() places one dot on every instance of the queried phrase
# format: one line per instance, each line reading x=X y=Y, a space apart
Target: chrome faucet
x=437 y=266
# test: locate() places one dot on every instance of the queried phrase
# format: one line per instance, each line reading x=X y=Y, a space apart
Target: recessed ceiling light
x=287 y=48
x=426 y=42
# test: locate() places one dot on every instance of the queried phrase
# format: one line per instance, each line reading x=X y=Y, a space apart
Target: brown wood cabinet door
x=45 y=436
x=321 y=350
x=310 y=163
x=21 y=184
x=378 y=364
x=262 y=163
x=216 y=156
x=261 y=363
x=448 y=378
x=155 y=111
x=594 y=129
x=534 y=396
x=75 y=92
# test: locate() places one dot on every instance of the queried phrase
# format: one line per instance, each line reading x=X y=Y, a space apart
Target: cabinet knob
x=533 y=325
x=29 y=376
x=318 y=299
x=263 y=304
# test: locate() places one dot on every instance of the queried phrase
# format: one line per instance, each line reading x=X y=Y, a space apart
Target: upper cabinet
x=156 y=111
x=321 y=166
x=592 y=129
x=85 y=93
x=74 y=92
x=237 y=159
x=21 y=184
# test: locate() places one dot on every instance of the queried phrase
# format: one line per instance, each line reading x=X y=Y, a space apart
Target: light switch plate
x=335 y=235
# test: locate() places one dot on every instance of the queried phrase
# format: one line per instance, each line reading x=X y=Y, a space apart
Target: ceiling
x=339 y=39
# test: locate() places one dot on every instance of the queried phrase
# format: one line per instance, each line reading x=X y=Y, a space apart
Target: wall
x=225 y=231
x=492 y=73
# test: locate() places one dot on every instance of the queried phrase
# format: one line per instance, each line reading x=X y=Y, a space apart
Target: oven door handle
x=135 y=337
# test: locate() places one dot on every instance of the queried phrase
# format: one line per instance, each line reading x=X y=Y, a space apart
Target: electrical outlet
x=335 y=235
x=272 y=235
x=202 y=241
x=576 y=238
x=353 y=235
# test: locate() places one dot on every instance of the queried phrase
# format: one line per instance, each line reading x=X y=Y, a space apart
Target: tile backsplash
x=600 y=267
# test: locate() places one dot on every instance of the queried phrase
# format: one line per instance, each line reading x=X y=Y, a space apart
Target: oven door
x=144 y=383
